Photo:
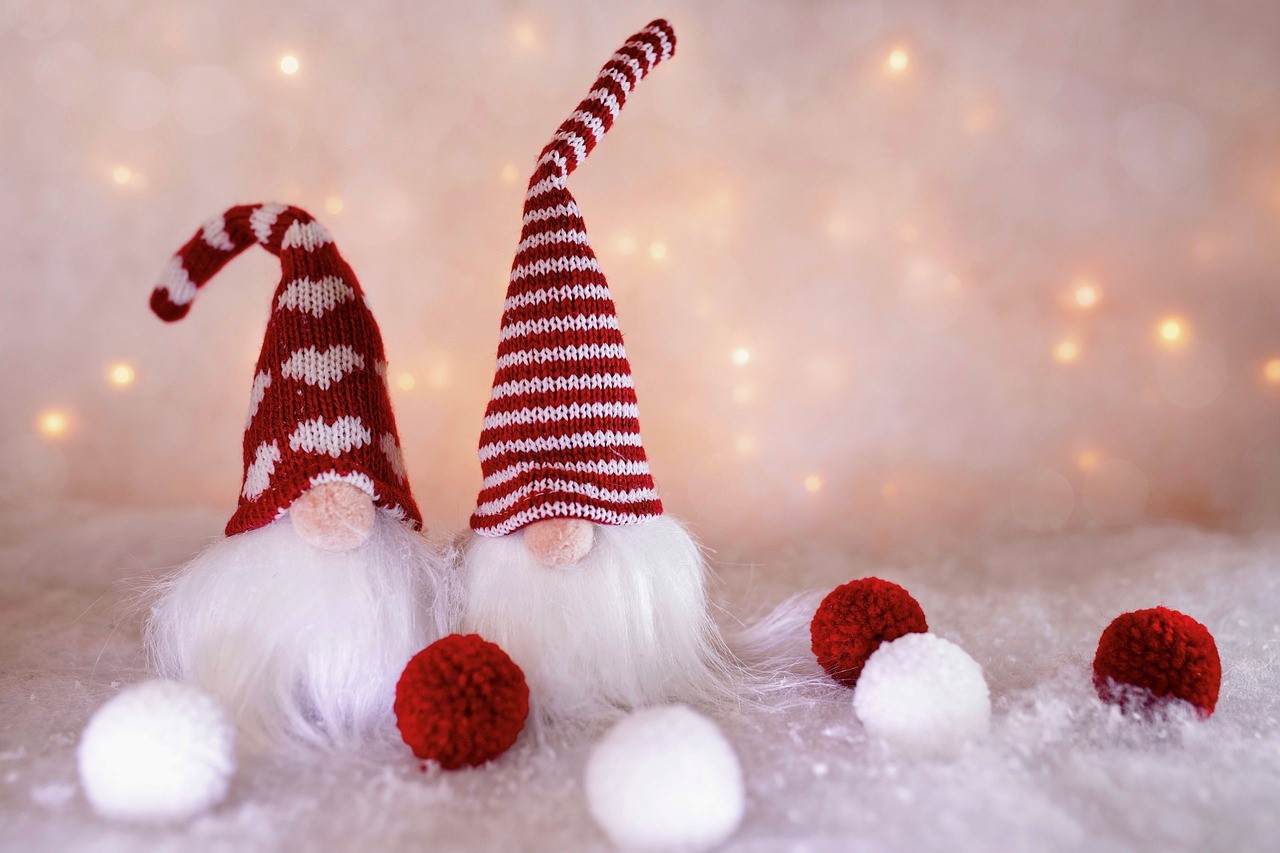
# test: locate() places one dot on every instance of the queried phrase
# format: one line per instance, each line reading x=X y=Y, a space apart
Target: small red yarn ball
x=855 y=618
x=1163 y=652
x=461 y=701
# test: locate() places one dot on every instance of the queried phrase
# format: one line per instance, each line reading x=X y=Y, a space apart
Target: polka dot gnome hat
x=319 y=411
x=561 y=434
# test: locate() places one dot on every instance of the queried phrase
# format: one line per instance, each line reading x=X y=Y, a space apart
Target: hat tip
x=165 y=309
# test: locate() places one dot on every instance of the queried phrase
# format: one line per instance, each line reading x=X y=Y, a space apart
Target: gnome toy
x=572 y=567
x=303 y=617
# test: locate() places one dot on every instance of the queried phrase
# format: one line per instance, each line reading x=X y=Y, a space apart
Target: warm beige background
x=896 y=241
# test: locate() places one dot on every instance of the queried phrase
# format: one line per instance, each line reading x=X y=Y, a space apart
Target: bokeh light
x=1087 y=294
x=53 y=423
x=1172 y=331
x=740 y=356
x=289 y=65
x=121 y=374
x=897 y=61
x=1066 y=352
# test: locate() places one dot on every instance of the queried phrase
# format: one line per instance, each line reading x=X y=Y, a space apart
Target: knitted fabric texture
x=319 y=410
x=561 y=434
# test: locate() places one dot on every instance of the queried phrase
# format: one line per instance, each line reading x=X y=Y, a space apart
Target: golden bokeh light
x=813 y=484
x=525 y=34
x=1271 y=371
x=122 y=175
x=658 y=250
x=1066 y=352
x=121 y=374
x=333 y=204
x=510 y=174
x=405 y=381
x=1086 y=294
x=1172 y=331
x=740 y=356
x=1087 y=460
x=745 y=445
x=897 y=61
x=53 y=423
x=289 y=65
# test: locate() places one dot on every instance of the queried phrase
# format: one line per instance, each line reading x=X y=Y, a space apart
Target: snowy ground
x=1060 y=771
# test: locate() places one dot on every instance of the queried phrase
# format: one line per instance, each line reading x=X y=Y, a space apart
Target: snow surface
x=1060 y=771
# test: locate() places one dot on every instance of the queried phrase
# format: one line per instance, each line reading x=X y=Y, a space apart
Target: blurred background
x=893 y=274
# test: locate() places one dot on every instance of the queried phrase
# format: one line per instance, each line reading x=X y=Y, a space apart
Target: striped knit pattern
x=319 y=410
x=561 y=435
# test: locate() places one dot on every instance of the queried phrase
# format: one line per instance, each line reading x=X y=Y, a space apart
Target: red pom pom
x=1163 y=652
x=461 y=701
x=855 y=618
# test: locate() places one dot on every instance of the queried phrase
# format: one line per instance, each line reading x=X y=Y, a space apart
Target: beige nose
x=333 y=516
x=559 y=541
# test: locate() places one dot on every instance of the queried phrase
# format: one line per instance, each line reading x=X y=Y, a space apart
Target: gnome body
x=573 y=569
x=303 y=617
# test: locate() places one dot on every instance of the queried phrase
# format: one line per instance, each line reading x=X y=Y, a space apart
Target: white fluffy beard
x=627 y=626
x=303 y=646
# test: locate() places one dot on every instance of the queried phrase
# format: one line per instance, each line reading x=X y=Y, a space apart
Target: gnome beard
x=302 y=643
x=613 y=617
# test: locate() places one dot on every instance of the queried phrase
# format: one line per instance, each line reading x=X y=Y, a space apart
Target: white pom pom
x=158 y=751
x=923 y=694
x=665 y=778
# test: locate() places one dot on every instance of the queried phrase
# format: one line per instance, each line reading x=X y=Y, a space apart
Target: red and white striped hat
x=561 y=435
x=319 y=411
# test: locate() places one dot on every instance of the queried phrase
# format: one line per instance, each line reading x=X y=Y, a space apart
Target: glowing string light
x=122 y=374
x=897 y=61
x=1066 y=352
x=741 y=356
x=1172 y=331
x=525 y=34
x=53 y=423
x=289 y=65
x=1086 y=295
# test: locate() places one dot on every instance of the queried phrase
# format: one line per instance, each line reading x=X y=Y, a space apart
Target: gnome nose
x=333 y=516
x=560 y=541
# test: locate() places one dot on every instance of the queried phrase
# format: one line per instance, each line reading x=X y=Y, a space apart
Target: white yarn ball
x=157 y=751
x=665 y=778
x=923 y=694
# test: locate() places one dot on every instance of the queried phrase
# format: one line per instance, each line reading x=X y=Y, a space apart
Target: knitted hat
x=561 y=435
x=319 y=411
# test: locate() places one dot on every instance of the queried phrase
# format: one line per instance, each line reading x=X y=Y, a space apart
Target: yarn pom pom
x=157 y=751
x=855 y=618
x=923 y=694
x=1162 y=653
x=461 y=701
x=665 y=778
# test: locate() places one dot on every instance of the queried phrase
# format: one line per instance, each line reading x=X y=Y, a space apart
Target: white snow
x=157 y=751
x=665 y=778
x=1059 y=770
x=924 y=695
